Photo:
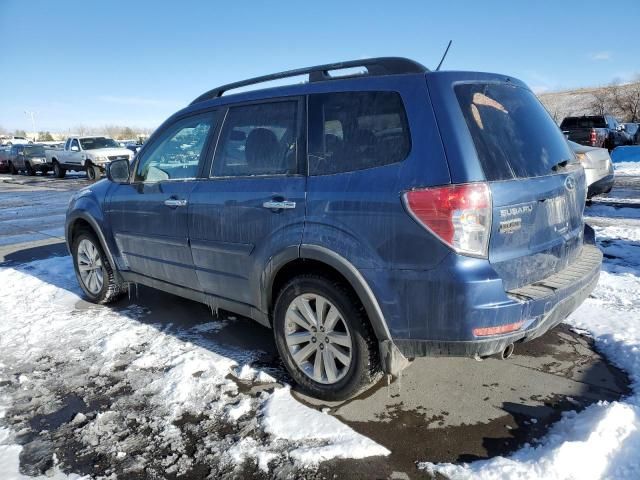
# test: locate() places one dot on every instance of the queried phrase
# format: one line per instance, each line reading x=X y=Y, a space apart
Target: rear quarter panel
x=360 y=215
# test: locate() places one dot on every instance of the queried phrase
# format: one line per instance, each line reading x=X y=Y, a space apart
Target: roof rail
x=375 y=67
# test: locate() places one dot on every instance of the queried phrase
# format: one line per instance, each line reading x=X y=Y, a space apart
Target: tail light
x=459 y=215
x=592 y=138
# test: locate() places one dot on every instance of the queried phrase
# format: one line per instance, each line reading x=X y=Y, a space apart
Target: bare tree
x=601 y=103
x=81 y=130
x=627 y=101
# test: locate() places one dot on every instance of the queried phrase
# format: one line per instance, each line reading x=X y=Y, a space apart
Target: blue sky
x=136 y=62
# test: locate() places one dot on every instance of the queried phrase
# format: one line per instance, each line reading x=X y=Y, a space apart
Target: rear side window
x=513 y=134
x=356 y=130
x=258 y=140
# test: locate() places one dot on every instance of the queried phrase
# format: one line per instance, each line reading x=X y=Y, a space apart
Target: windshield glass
x=98 y=142
x=513 y=134
x=34 y=150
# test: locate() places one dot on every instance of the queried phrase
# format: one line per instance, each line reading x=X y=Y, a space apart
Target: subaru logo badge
x=570 y=183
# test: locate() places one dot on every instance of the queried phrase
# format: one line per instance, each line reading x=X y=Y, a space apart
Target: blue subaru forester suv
x=366 y=218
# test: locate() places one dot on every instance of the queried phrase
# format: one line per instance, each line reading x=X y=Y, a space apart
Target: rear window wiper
x=561 y=164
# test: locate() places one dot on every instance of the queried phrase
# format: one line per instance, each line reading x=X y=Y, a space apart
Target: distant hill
x=587 y=101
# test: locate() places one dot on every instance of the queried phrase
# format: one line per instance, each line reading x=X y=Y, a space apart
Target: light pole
x=32 y=114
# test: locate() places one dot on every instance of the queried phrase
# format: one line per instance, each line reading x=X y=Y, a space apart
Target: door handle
x=174 y=202
x=282 y=205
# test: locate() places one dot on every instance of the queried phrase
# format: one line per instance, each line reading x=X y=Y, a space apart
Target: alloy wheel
x=318 y=338
x=90 y=266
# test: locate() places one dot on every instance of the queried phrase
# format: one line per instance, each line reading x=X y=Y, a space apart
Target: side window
x=176 y=153
x=66 y=145
x=75 y=143
x=258 y=139
x=356 y=130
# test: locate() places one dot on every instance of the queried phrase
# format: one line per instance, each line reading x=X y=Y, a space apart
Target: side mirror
x=75 y=149
x=118 y=171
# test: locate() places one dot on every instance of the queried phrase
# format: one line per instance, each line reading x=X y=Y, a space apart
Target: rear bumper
x=604 y=185
x=541 y=305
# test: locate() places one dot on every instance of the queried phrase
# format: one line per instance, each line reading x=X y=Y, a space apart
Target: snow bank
x=168 y=374
x=286 y=418
x=627 y=168
x=602 y=441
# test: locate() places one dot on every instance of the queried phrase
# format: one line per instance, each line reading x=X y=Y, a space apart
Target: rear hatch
x=537 y=185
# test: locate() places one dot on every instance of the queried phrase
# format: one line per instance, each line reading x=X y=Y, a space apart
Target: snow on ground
x=155 y=388
x=602 y=441
x=627 y=168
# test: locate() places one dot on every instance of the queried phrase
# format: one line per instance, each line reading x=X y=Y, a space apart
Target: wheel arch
x=322 y=260
x=82 y=221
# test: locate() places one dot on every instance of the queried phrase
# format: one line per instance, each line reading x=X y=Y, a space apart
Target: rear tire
x=58 y=171
x=332 y=363
x=93 y=172
x=94 y=273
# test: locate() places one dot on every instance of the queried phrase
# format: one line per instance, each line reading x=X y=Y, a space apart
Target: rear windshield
x=513 y=134
x=583 y=122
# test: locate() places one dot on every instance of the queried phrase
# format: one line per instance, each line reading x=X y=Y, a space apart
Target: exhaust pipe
x=507 y=352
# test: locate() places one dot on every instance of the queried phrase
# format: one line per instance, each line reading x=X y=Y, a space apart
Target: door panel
x=151 y=236
x=234 y=225
x=233 y=235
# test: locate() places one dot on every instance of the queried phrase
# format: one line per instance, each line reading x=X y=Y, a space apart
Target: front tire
x=94 y=272
x=29 y=169
x=12 y=169
x=324 y=338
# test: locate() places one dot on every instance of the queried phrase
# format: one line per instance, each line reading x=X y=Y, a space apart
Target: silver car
x=598 y=168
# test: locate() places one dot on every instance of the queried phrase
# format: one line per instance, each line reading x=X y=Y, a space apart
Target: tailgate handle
x=282 y=205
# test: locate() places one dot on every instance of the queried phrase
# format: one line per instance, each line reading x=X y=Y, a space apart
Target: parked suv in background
x=28 y=158
x=595 y=131
x=598 y=168
x=13 y=140
x=367 y=219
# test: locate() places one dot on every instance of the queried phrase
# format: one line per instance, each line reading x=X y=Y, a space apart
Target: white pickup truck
x=90 y=154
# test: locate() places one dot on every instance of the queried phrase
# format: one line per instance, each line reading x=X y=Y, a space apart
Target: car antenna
x=444 y=56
